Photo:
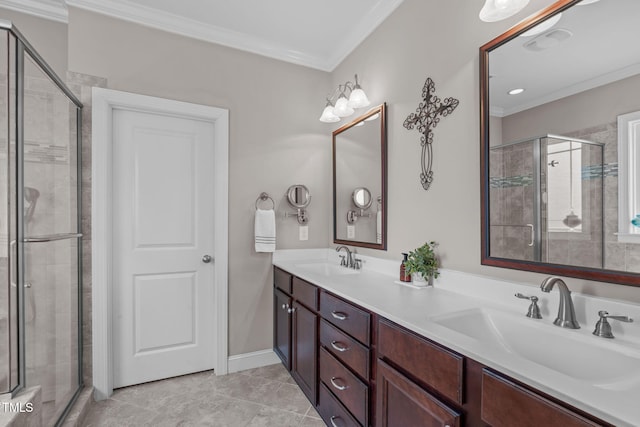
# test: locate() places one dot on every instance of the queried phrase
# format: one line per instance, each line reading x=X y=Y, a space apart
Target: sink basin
x=583 y=357
x=325 y=269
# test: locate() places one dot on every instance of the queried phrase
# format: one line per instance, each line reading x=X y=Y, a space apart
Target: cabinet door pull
x=336 y=345
x=336 y=385
x=291 y=310
x=338 y=315
x=333 y=423
x=285 y=306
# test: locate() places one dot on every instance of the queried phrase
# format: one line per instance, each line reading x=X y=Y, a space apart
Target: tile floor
x=265 y=396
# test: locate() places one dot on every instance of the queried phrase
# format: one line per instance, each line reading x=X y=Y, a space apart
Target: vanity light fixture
x=344 y=107
x=517 y=91
x=497 y=10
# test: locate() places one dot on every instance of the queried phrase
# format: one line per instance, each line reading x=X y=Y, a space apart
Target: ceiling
x=602 y=49
x=316 y=34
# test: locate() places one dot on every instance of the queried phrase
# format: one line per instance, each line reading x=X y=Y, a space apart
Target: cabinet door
x=305 y=350
x=400 y=402
x=282 y=327
x=505 y=403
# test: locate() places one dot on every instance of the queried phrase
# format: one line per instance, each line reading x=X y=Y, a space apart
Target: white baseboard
x=256 y=359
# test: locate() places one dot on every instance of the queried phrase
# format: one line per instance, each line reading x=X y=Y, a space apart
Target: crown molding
x=165 y=21
x=374 y=17
x=47 y=9
x=149 y=17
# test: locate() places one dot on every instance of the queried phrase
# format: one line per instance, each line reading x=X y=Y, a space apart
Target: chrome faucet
x=566 y=313
x=348 y=262
x=351 y=261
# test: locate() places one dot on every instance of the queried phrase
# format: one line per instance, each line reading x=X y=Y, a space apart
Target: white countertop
x=374 y=289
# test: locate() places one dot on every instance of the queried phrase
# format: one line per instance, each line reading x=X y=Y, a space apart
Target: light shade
x=342 y=108
x=496 y=10
x=358 y=99
x=328 y=116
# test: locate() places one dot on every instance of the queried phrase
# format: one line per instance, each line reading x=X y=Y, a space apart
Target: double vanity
x=367 y=351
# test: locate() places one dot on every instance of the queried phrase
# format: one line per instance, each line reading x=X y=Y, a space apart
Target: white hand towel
x=265 y=230
x=379 y=226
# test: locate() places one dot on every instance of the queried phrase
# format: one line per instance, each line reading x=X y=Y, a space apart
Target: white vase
x=417 y=279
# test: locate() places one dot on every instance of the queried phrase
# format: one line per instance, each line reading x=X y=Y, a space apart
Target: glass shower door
x=572 y=201
x=9 y=376
x=513 y=200
x=51 y=248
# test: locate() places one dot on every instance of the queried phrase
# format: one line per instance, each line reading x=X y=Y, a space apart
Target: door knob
x=207 y=259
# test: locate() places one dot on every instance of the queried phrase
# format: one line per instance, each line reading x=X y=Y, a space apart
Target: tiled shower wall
x=81 y=85
x=511 y=200
x=618 y=256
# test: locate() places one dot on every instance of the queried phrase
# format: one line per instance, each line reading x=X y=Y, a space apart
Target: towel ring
x=263 y=197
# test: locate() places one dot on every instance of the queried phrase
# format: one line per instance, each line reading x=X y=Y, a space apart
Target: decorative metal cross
x=426 y=118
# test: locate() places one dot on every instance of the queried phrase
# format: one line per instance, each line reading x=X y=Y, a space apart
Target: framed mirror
x=360 y=181
x=560 y=137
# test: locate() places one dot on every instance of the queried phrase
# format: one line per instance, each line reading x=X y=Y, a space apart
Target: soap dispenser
x=404 y=277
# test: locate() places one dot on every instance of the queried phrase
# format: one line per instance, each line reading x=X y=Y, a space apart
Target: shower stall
x=40 y=239
x=546 y=201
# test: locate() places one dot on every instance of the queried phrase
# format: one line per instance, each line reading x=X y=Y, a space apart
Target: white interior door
x=163 y=222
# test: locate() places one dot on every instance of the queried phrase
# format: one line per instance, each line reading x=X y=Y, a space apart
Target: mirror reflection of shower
x=546 y=200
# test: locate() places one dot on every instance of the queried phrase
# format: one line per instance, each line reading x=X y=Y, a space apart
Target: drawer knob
x=333 y=423
x=339 y=315
x=337 y=345
x=336 y=385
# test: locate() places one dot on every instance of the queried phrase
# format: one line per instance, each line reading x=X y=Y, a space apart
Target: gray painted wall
x=275 y=138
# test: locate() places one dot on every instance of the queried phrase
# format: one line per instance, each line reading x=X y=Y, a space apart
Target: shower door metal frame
x=22 y=48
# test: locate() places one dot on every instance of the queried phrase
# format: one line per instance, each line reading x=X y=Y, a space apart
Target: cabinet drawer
x=332 y=411
x=353 y=393
x=429 y=363
x=282 y=280
x=305 y=292
x=346 y=349
x=403 y=403
x=505 y=403
x=345 y=316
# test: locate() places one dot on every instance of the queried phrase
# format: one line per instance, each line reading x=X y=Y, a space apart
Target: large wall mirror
x=360 y=181
x=560 y=130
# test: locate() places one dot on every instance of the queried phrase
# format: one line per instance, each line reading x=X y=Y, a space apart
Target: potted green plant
x=422 y=264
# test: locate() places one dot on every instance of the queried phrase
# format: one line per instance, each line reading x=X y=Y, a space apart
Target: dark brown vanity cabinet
x=505 y=403
x=345 y=370
x=361 y=370
x=282 y=327
x=296 y=329
x=421 y=383
x=418 y=382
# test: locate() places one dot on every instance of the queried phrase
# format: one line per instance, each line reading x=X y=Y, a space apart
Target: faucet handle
x=603 y=328
x=534 y=310
x=343 y=261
